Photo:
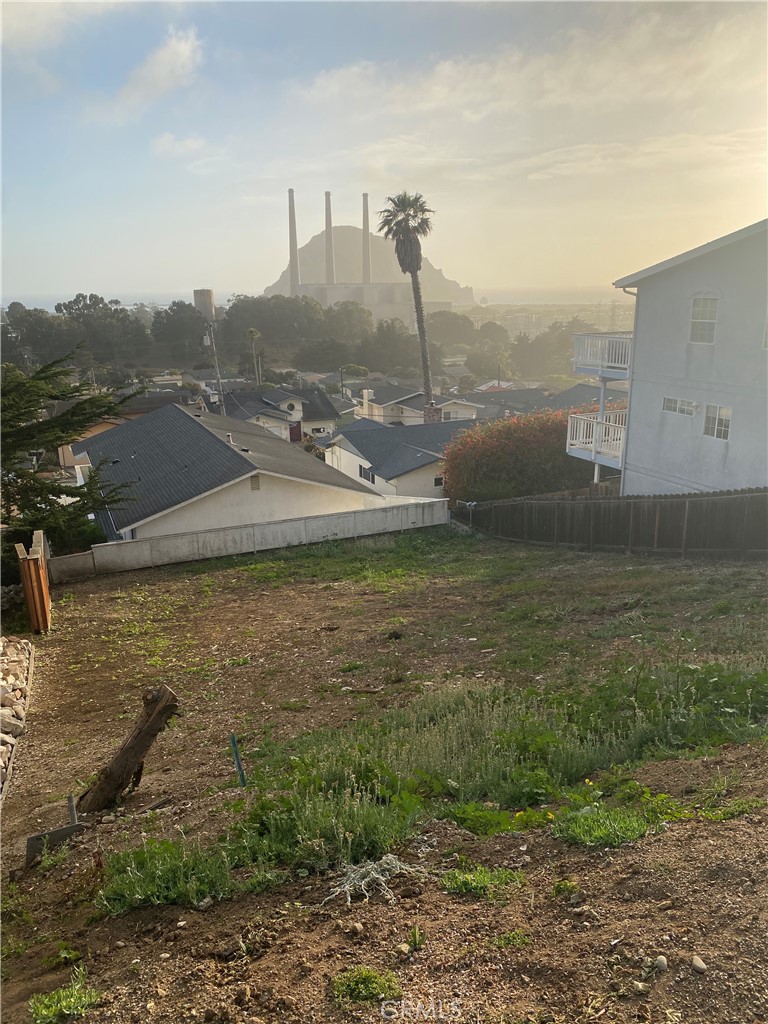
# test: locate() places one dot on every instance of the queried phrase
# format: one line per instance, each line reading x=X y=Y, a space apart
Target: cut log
x=160 y=705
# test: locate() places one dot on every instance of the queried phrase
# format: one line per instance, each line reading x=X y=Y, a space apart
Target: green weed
x=490 y=883
x=564 y=888
x=64 y=1004
x=601 y=826
x=365 y=985
x=511 y=940
x=50 y=859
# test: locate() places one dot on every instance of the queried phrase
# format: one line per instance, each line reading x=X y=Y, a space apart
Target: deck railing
x=603 y=351
x=602 y=437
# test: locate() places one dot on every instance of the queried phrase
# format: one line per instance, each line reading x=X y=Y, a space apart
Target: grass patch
x=64 y=1004
x=564 y=888
x=488 y=883
x=601 y=826
x=511 y=940
x=480 y=820
x=362 y=984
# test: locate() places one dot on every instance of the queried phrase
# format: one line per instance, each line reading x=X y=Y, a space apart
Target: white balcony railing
x=601 y=440
x=606 y=354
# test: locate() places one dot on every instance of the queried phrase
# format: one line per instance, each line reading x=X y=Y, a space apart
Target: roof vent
x=229 y=439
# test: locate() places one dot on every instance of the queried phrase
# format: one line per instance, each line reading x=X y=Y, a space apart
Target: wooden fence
x=34 y=581
x=723 y=525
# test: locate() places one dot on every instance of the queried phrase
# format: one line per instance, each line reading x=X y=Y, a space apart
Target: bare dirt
x=253 y=660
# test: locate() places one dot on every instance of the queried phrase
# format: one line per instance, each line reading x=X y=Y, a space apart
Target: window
x=681 y=405
x=366 y=473
x=438 y=481
x=703 y=317
x=717 y=421
x=451 y=414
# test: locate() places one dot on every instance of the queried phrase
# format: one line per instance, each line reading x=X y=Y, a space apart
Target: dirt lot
x=284 y=647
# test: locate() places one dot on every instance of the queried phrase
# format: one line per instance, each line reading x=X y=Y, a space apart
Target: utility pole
x=212 y=342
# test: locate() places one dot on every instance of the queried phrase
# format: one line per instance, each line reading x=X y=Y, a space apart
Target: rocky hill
x=347 y=247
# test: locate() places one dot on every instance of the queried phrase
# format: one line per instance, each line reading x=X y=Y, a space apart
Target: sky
x=147 y=148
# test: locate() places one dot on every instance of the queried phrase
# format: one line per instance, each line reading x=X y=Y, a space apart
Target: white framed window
x=717 y=421
x=366 y=473
x=680 y=405
x=703 y=317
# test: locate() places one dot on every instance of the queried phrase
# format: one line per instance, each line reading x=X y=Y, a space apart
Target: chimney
x=367 y=399
x=366 y=242
x=330 y=270
x=230 y=439
x=293 y=248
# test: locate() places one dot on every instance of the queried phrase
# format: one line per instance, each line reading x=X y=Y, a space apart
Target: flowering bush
x=512 y=457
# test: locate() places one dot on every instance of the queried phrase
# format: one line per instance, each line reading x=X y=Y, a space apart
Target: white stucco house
x=697 y=366
x=288 y=413
x=403 y=406
x=394 y=460
x=188 y=471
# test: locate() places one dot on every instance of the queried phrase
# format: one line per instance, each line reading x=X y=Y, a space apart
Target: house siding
x=667 y=452
x=238 y=505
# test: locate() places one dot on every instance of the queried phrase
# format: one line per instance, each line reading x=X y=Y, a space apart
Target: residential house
x=189 y=471
x=290 y=413
x=697 y=418
x=403 y=406
x=399 y=460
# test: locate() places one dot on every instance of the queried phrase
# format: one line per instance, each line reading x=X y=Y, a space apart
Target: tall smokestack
x=293 y=248
x=330 y=269
x=366 y=242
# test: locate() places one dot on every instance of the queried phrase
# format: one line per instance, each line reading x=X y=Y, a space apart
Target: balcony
x=603 y=355
x=597 y=440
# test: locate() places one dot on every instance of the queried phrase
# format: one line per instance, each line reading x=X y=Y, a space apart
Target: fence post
x=685 y=529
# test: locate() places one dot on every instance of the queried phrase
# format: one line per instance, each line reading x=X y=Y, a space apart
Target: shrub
x=481 y=821
x=601 y=826
x=64 y=1004
x=508 y=458
x=365 y=985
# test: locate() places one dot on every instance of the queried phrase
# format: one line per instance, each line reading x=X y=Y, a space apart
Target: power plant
x=385 y=299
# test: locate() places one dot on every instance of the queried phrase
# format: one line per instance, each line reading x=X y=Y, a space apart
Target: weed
x=63 y=955
x=13 y=905
x=365 y=985
x=64 y=1004
x=733 y=809
x=350 y=666
x=511 y=940
x=490 y=883
x=417 y=938
x=237 y=662
x=480 y=820
x=601 y=826
x=564 y=888
x=50 y=859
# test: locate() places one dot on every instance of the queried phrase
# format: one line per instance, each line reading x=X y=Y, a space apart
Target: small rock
x=288 y=1002
x=403 y=951
x=119 y=944
x=205 y=904
x=165 y=956
x=242 y=994
x=108 y=819
x=181 y=924
x=356 y=928
x=660 y=963
x=698 y=965
x=641 y=988
x=667 y=905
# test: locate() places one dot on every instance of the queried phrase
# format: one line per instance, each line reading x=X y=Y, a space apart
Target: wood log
x=160 y=705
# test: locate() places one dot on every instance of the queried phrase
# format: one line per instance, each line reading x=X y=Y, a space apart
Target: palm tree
x=407 y=219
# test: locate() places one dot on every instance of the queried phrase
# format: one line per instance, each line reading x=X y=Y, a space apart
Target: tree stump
x=160 y=705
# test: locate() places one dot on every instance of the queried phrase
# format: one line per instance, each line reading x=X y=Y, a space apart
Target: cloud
x=170 y=145
x=171 y=66
x=35 y=25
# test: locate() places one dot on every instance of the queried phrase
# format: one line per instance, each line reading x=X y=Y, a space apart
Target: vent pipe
x=366 y=242
x=330 y=269
x=293 y=248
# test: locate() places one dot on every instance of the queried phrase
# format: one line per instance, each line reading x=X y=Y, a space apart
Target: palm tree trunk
x=422 y=331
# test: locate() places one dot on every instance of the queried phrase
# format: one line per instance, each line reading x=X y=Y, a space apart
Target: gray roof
x=397 y=450
x=244 y=405
x=387 y=394
x=173 y=455
x=584 y=394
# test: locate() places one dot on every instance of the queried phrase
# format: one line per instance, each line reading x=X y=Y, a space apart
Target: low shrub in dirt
x=365 y=985
x=490 y=883
x=64 y=1004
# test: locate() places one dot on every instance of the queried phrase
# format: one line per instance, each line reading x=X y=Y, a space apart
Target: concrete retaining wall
x=121 y=556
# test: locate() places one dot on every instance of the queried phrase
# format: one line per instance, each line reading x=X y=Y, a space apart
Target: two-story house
x=401 y=406
x=696 y=362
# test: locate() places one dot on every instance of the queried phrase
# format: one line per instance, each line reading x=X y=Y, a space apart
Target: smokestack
x=293 y=248
x=366 y=242
x=330 y=269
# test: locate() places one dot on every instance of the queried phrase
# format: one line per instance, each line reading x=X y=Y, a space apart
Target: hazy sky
x=148 y=147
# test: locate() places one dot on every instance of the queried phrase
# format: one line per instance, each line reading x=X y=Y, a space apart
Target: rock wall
x=15 y=677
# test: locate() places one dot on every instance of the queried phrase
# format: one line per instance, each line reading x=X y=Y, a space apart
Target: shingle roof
x=315 y=404
x=584 y=394
x=397 y=450
x=173 y=455
x=387 y=394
